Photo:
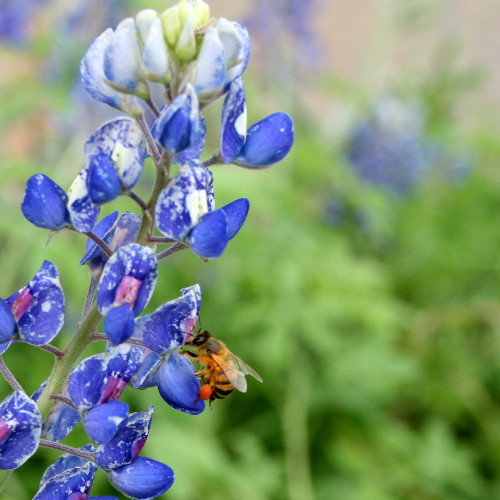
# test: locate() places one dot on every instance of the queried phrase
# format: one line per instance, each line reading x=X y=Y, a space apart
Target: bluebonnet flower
x=177 y=127
x=185 y=212
x=263 y=144
x=126 y=285
x=34 y=314
x=20 y=427
x=127 y=441
x=164 y=332
x=103 y=377
x=115 y=156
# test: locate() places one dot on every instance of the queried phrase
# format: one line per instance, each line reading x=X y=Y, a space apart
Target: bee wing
x=244 y=368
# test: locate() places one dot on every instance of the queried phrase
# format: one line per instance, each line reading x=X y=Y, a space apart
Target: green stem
x=63 y=366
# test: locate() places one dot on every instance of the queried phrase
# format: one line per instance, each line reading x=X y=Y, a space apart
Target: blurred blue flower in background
x=390 y=148
x=15 y=19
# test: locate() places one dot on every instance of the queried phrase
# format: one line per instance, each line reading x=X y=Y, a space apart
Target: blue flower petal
x=119 y=324
x=145 y=376
x=20 y=428
x=234 y=121
x=103 y=183
x=102 y=421
x=61 y=420
x=210 y=67
x=101 y=230
x=7 y=322
x=70 y=484
x=44 y=203
x=182 y=202
x=268 y=141
x=177 y=127
x=127 y=443
x=82 y=210
x=136 y=261
x=166 y=328
x=209 y=237
x=236 y=213
x=178 y=385
x=92 y=74
x=65 y=462
x=121 y=140
x=144 y=478
x=122 y=60
x=103 y=377
x=193 y=152
x=44 y=318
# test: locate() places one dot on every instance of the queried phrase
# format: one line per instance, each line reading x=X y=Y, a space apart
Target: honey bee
x=222 y=370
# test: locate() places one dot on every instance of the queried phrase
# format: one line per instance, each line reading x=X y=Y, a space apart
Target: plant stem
x=4 y=370
x=63 y=366
x=170 y=250
x=87 y=455
x=100 y=243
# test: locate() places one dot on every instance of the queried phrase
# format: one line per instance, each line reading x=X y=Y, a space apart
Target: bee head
x=200 y=338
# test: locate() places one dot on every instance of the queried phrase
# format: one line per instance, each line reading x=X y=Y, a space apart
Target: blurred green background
x=365 y=285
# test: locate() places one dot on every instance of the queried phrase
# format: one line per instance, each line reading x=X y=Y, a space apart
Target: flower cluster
x=195 y=60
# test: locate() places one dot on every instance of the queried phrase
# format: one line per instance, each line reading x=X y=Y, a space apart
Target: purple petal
x=268 y=141
x=102 y=421
x=144 y=478
x=20 y=428
x=44 y=203
x=178 y=385
x=236 y=213
x=145 y=376
x=209 y=237
x=234 y=121
x=127 y=443
x=197 y=142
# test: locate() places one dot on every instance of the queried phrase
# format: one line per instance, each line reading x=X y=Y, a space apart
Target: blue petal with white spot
x=70 y=484
x=102 y=421
x=82 y=210
x=20 y=428
x=182 y=203
x=121 y=140
x=65 y=462
x=104 y=376
x=44 y=203
x=234 y=121
x=39 y=306
x=170 y=325
x=127 y=443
